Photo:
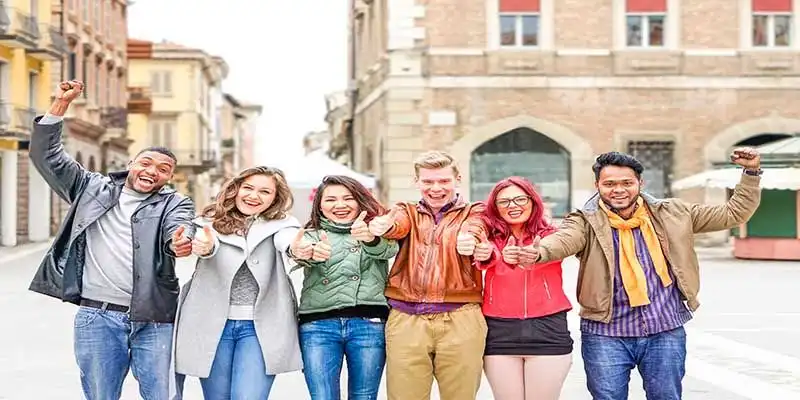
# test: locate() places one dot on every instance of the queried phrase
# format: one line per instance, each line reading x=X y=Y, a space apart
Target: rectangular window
x=98 y=11
x=85 y=75
x=161 y=83
x=72 y=67
x=33 y=88
x=161 y=132
x=85 y=11
x=98 y=77
x=645 y=22
x=519 y=23
x=772 y=23
x=658 y=158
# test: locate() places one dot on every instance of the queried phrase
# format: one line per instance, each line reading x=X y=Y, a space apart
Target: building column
x=8 y=209
x=38 y=206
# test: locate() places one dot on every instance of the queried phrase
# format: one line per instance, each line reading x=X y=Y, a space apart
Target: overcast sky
x=283 y=54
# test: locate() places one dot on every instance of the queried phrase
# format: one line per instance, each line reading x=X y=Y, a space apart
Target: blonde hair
x=435 y=159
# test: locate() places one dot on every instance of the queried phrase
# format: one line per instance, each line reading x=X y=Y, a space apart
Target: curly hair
x=226 y=217
x=365 y=200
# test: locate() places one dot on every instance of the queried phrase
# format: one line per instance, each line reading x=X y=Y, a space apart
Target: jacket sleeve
x=284 y=237
x=568 y=240
x=61 y=172
x=181 y=214
x=383 y=249
x=736 y=211
x=473 y=224
x=402 y=224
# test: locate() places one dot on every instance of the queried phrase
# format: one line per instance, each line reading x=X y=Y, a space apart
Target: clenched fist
x=511 y=251
x=360 y=230
x=483 y=251
x=380 y=225
x=203 y=242
x=322 y=249
x=69 y=90
x=747 y=157
x=529 y=255
x=301 y=249
x=465 y=244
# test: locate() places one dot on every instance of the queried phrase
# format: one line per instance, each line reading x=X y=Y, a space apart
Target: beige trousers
x=446 y=346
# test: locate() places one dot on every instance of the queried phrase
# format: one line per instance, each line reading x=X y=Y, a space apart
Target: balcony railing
x=5 y=116
x=228 y=143
x=196 y=158
x=52 y=46
x=25 y=116
x=114 y=117
x=18 y=26
x=140 y=100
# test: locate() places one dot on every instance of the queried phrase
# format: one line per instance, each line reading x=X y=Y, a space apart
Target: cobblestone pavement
x=742 y=342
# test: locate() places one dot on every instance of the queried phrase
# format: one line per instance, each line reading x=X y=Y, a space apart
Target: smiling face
x=256 y=194
x=437 y=186
x=339 y=205
x=149 y=172
x=618 y=187
x=514 y=205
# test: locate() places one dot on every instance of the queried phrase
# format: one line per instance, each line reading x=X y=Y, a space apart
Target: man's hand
x=203 y=242
x=360 y=230
x=529 y=255
x=301 y=248
x=69 y=91
x=380 y=225
x=465 y=244
x=747 y=157
x=511 y=251
x=322 y=249
x=181 y=245
x=483 y=251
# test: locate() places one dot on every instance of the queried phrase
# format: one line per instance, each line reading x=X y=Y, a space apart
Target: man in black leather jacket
x=114 y=256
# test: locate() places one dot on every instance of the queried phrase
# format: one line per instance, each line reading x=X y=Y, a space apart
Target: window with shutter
x=519 y=23
x=772 y=23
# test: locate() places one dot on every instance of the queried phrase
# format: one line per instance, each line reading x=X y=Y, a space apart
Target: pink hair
x=498 y=228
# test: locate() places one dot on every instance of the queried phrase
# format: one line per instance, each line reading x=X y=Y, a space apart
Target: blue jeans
x=324 y=344
x=238 y=371
x=660 y=358
x=107 y=344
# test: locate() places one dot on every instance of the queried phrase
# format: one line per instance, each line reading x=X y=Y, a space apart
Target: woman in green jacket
x=342 y=306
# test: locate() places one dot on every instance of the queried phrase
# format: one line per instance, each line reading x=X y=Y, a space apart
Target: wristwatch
x=756 y=172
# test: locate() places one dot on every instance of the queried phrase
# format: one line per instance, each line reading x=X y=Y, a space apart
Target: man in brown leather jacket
x=639 y=275
x=436 y=327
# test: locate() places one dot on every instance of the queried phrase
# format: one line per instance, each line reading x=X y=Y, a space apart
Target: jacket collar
x=258 y=232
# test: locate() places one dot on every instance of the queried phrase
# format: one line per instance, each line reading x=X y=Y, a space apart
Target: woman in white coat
x=237 y=324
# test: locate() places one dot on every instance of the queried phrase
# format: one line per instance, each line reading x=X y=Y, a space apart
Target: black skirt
x=541 y=336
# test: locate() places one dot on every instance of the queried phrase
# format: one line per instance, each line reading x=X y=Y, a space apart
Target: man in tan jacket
x=639 y=275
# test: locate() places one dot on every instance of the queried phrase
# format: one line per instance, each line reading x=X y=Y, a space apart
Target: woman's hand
x=203 y=242
x=322 y=249
x=301 y=249
x=511 y=251
x=360 y=230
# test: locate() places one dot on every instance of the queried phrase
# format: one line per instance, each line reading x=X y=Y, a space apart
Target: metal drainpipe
x=353 y=89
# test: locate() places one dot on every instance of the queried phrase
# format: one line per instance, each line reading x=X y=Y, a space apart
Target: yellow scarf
x=633 y=278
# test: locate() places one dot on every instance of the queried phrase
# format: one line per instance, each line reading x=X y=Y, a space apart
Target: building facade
x=337 y=116
x=239 y=123
x=316 y=141
x=29 y=43
x=172 y=91
x=538 y=88
x=95 y=126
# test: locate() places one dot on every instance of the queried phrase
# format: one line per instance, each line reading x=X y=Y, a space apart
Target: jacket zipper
x=546 y=288
x=525 y=296
x=491 y=290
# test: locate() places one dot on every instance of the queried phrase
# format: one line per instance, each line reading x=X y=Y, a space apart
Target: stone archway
x=581 y=155
x=716 y=150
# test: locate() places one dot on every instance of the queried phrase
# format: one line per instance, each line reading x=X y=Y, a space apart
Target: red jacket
x=513 y=292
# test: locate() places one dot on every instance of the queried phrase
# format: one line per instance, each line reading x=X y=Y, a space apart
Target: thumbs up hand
x=301 y=249
x=465 y=244
x=529 y=254
x=483 y=251
x=322 y=249
x=203 y=242
x=511 y=251
x=360 y=230
x=180 y=245
x=380 y=225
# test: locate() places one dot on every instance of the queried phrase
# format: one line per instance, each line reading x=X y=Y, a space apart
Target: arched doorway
x=761 y=139
x=527 y=153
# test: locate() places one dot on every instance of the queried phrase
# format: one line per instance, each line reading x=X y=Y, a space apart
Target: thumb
x=299 y=236
x=361 y=216
x=512 y=241
x=179 y=232
x=323 y=237
x=207 y=231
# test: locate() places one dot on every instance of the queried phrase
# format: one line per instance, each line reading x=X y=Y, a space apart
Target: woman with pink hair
x=528 y=345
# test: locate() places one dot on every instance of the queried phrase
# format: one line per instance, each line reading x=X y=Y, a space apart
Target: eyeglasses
x=519 y=201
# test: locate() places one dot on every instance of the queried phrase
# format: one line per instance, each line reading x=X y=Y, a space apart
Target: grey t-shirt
x=244 y=289
x=108 y=272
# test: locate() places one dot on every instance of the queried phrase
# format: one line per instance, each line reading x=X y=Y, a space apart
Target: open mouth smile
x=251 y=203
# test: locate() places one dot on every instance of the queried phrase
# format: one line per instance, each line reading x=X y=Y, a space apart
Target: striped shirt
x=413 y=308
x=665 y=312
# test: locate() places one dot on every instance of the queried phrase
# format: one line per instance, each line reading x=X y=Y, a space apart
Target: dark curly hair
x=226 y=217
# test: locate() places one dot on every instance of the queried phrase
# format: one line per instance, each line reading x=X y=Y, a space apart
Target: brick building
x=539 y=87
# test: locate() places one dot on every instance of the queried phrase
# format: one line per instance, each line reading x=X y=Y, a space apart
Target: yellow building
x=28 y=43
x=172 y=103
